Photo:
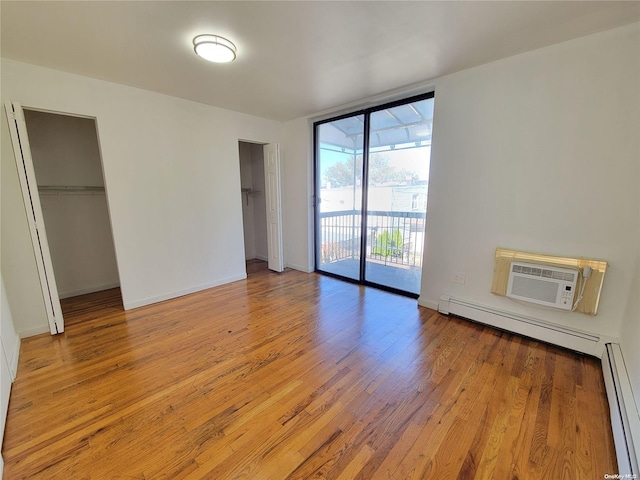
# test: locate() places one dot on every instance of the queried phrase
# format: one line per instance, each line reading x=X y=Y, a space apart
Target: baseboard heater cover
x=625 y=421
x=566 y=337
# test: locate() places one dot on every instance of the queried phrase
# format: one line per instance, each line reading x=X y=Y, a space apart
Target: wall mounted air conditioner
x=542 y=284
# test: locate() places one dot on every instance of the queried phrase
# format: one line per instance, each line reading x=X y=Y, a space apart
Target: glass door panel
x=398 y=173
x=339 y=148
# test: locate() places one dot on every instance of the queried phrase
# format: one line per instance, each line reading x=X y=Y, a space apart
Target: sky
x=411 y=159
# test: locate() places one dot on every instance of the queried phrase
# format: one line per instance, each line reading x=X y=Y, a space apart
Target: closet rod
x=71 y=189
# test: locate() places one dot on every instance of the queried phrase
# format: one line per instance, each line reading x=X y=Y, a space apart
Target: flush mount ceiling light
x=214 y=48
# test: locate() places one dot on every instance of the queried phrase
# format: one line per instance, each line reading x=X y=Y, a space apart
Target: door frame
x=366 y=112
x=35 y=219
x=33 y=209
x=273 y=197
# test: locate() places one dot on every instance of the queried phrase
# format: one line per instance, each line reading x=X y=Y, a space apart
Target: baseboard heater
x=625 y=422
x=567 y=337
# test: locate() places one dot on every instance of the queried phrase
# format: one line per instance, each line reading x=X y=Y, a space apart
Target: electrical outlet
x=459 y=277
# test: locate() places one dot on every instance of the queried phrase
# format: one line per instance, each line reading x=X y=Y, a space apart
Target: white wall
x=81 y=243
x=9 y=350
x=8 y=335
x=538 y=152
x=297 y=194
x=630 y=336
x=65 y=149
x=65 y=152
x=172 y=176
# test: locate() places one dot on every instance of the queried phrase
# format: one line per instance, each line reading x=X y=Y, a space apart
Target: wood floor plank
x=298 y=376
x=490 y=455
x=532 y=380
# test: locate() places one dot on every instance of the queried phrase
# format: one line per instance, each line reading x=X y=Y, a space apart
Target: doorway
x=372 y=172
x=254 y=210
x=260 y=177
x=66 y=190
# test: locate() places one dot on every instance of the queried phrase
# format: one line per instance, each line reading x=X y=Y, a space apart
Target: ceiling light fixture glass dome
x=214 y=48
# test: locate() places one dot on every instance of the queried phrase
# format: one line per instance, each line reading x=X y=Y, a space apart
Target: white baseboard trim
x=1 y=465
x=168 y=296
x=83 y=291
x=256 y=257
x=32 y=332
x=423 y=302
x=300 y=268
x=625 y=421
x=567 y=337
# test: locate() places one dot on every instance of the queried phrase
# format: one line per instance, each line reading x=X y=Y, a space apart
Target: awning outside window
x=399 y=126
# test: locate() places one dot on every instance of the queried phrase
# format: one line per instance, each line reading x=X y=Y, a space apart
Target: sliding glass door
x=339 y=196
x=399 y=154
x=372 y=171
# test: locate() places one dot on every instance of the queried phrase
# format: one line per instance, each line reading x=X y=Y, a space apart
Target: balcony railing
x=393 y=238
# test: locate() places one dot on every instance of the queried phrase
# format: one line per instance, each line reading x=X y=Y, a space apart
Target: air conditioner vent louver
x=542 y=272
x=542 y=284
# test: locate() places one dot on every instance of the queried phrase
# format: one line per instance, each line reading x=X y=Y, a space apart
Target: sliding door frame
x=316 y=198
x=366 y=112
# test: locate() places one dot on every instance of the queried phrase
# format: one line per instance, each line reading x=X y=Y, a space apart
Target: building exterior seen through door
x=372 y=172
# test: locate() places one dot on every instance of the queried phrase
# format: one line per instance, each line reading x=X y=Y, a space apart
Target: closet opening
x=68 y=169
x=254 y=209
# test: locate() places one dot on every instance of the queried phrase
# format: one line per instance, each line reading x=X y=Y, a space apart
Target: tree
x=381 y=172
x=389 y=243
x=341 y=174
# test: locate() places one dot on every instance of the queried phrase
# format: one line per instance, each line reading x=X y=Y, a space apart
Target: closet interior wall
x=254 y=209
x=68 y=168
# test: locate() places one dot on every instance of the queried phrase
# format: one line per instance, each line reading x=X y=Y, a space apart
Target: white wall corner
x=180 y=293
x=32 y=332
x=13 y=363
x=84 y=291
x=424 y=302
x=443 y=305
x=300 y=268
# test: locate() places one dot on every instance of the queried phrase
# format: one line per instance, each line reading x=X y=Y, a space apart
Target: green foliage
x=343 y=174
x=389 y=243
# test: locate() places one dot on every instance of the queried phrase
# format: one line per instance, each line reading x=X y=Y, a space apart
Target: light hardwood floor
x=299 y=376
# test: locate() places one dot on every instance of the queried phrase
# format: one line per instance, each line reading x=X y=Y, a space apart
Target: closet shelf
x=70 y=190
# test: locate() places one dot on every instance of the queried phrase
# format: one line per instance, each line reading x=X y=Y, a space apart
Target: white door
x=24 y=162
x=274 y=210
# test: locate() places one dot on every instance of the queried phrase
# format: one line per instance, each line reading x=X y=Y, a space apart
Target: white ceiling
x=294 y=58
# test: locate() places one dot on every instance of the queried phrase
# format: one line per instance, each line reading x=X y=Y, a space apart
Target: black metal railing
x=393 y=238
